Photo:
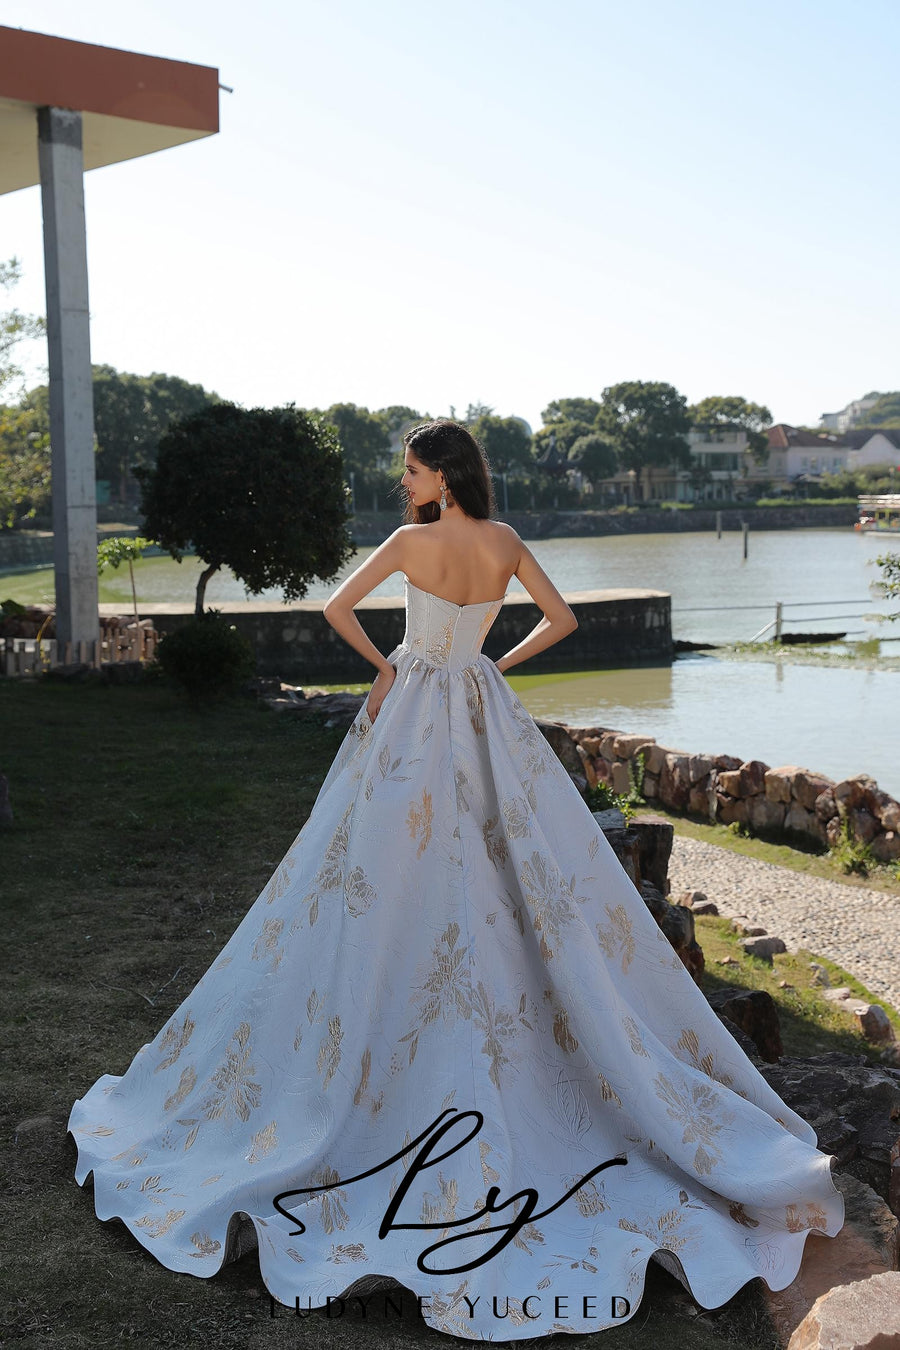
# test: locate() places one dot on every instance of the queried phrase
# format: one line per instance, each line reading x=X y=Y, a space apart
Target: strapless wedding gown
x=448 y=1007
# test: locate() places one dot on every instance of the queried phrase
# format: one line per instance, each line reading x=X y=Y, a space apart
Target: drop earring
x=443 y=497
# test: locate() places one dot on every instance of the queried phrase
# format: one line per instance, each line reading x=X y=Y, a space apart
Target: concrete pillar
x=71 y=397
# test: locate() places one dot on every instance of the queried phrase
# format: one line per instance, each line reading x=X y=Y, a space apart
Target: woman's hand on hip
x=381 y=687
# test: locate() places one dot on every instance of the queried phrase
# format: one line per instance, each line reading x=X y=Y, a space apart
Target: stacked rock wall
x=787 y=801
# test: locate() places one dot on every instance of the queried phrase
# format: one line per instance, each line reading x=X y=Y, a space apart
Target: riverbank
x=370 y=528
x=34 y=548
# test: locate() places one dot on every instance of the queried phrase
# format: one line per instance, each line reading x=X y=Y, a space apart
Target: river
x=839 y=719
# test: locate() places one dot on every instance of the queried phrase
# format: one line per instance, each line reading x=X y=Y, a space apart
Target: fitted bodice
x=444 y=633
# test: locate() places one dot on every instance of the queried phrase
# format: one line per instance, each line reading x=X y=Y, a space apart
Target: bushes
x=207 y=657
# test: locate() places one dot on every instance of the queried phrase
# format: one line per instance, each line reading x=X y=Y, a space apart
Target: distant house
x=849 y=416
x=796 y=454
x=872 y=445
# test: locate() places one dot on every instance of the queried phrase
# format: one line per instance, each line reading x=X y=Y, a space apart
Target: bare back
x=465 y=561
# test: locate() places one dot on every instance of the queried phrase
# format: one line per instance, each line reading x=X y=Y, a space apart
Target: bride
x=448 y=1044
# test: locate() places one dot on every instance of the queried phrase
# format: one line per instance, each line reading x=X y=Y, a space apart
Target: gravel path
x=858 y=929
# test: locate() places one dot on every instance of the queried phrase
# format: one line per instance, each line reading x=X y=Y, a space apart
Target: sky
x=501 y=201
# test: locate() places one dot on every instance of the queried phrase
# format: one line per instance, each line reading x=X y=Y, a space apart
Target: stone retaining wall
x=786 y=802
x=616 y=628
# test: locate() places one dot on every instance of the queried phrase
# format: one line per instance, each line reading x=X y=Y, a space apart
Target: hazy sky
x=433 y=203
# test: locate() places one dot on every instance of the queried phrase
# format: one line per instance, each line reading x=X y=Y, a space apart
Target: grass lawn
x=142 y=834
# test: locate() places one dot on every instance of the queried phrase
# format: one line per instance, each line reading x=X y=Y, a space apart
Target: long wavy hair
x=450 y=448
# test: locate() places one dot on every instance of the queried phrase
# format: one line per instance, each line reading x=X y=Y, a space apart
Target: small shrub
x=851 y=853
x=602 y=797
x=207 y=657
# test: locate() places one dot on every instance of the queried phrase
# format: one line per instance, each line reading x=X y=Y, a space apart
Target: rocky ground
x=857 y=928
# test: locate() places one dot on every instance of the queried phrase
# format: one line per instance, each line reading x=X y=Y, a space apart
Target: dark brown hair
x=450 y=448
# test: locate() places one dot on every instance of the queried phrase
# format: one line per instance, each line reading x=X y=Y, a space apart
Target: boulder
x=889 y=815
x=826 y=807
x=851 y=793
x=874 y=1023
x=886 y=847
x=756 y=1013
x=626 y=747
x=864 y=825
x=655 y=759
x=747 y=781
x=778 y=782
x=650 y=787
x=700 y=767
x=621 y=779
x=763 y=815
x=690 y=898
x=655 y=838
x=766 y=947
x=608 y=744
x=864 y=1315
x=726 y=762
x=675 y=781
x=799 y=820
x=561 y=743
x=730 y=810
x=854 y=1108
x=677 y=923
x=808 y=787
x=705 y=907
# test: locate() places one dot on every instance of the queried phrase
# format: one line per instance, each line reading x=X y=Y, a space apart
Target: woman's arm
x=558 y=620
x=338 y=609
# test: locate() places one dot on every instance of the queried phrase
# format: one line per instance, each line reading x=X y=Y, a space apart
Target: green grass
x=142 y=833
x=810 y=1024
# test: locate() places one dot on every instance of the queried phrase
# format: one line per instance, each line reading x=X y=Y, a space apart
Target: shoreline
x=26 y=550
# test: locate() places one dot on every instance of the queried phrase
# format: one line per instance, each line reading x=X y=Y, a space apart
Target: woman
x=448 y=1044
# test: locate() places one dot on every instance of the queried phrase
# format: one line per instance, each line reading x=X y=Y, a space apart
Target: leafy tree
x=889 y=585
x=647 y=423
x=595 y=457
x=363 y=436
x=583 y=410
x=884 y=413
x=733 y=413
x=474 y=411
x=131 y=413
x=15 y=327
x=112 y=553
x=24 y=461
x=258 y=490
x=505 y=440
x=562 y=434
x=397 y=416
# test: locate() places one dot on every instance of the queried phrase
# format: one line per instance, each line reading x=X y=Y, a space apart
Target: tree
x=884 y=413
x=15 y=327
x=397 y=415
x=647 y=423
x=131 y=413
x=571 y=410
x=733 y=413
x=505 y=440
x=258 y=490
x=112 y=553
x=474 y=411
x=562 y=435
x=363 y=436
x=24 y=460
x=889 y=585
x=595 y=457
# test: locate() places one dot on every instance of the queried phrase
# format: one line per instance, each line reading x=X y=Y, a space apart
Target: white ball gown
x=447 y=1007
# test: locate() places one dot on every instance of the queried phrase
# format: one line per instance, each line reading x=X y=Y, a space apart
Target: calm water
x=839 y=721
